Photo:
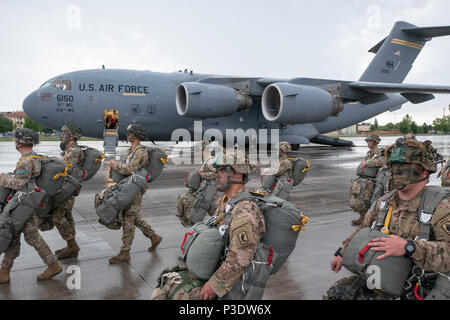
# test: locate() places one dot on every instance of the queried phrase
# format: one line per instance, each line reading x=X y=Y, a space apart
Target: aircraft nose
x=30 y=105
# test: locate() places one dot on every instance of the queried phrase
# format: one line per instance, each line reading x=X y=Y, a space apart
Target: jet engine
x=291 y=103
x=202 y=100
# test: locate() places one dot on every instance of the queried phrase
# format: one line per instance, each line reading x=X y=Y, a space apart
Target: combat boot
x=4 y=275
x=52 y=270
x=357 y=222
x=156 y=239
x=122 y=256
x=70 y=251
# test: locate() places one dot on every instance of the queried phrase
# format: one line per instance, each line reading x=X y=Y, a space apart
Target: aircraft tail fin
x=396 y=53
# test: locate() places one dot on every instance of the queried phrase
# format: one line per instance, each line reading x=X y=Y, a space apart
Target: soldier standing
x=373 y=159
x=137 y=158
x=62 y=215
x=284 y=167
x=410 y=165
x=245 y=229
x=27 y=169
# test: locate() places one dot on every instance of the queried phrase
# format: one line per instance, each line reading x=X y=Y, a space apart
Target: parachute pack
x=17 y=211
x=300 y=168
x=157 y=159
x=91 y=164
x=361 y=192
x=117 y=197
x=203 y=245
x=4 y=197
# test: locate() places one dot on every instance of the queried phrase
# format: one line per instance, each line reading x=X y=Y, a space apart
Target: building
x=17 y=118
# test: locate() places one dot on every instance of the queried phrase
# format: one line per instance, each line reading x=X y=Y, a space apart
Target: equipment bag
x=268 y=182
x=204 y=198
x=91 y=164
x=445 y=180
x=368 y=172
x=300 y=168
x=18 y=210
x=361 y=192
x=441 y=288
x=283 y=188
x=69 y=187
x=201 y=250
x=252 y=284
x=193 y=180
x=121 y=195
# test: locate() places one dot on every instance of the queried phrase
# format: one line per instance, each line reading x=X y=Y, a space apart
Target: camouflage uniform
x=137 y=158
x=26 y=170
x=246 y=228
x=433 y=255
x=444 y=174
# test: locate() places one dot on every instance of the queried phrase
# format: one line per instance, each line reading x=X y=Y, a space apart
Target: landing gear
x=295 y=147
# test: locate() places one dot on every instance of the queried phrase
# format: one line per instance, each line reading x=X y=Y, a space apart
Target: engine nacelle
x=202 y=100
x=289 y=103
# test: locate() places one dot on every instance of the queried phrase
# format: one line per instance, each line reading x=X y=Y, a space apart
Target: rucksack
x=300 y=168
x=157 y=159
x=91 y=164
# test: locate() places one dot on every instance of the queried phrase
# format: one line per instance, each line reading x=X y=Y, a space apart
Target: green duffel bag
x=368 y=172
x=18 y=210
x=358 y=257
x=201 y=250
x=251 y=285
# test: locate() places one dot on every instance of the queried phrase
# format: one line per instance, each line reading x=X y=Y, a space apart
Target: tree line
x=439 y=125
x=7 y=125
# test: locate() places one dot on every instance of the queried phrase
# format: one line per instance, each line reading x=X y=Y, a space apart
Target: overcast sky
x=283 y=38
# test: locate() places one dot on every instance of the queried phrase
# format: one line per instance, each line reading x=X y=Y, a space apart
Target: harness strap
x=431 y=197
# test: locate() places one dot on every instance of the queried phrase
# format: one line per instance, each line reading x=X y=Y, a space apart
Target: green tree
x=407 y=125
x=442 y=124
x=374 y=126
x=33 y=125
x=6 y=125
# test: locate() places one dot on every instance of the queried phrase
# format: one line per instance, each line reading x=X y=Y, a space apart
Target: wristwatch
x=338 y=252
x=410 y=247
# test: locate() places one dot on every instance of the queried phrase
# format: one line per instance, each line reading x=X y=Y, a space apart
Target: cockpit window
x=58 y=84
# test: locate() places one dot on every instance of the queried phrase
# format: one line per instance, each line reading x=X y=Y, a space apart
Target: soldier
x=245 y=230
x=284 y=167
x=410 y=136
x=26 y=170
x=373 y=159
x=445 y=174
x=137 y=158
x=62 y=215
x=410 y=165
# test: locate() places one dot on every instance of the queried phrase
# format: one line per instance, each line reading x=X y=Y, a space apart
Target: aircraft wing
x=381 y=87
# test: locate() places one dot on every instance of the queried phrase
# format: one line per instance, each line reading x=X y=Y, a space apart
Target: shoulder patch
x=243 y=237
x=446 y=226
x=21 y=171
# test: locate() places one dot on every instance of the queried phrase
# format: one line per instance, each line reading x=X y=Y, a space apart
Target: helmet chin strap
x=230 y=182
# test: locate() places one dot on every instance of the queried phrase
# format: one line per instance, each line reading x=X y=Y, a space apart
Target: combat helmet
x=137 y=130
x=71 y=130
x=411 y=151
x=26 y=136
x=373 y=137
x=284 y=147
x=235 y=158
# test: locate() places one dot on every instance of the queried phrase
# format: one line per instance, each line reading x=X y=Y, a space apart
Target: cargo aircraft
x=302 y=109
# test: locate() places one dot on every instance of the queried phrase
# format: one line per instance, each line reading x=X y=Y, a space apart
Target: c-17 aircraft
x=303 y=109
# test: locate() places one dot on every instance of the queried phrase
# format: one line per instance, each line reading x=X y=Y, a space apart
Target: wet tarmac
x=322 y=196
